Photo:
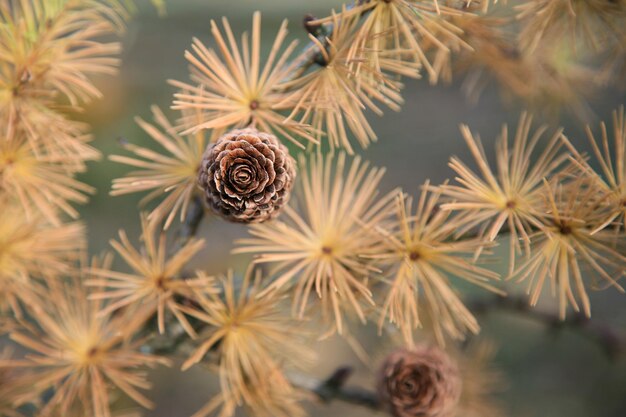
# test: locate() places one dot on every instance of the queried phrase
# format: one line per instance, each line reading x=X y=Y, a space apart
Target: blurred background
x=550 y=373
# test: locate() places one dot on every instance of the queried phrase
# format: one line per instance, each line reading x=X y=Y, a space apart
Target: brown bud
x=246 y=176
x=423 y=382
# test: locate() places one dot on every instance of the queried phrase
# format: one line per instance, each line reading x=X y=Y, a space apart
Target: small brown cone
x=247 y=176
x=423 y=382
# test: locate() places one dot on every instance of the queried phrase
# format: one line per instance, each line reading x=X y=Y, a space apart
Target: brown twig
x=330 y=389
x=333 y=389
x=311 y=53
x=607 y=338
x=190 y=226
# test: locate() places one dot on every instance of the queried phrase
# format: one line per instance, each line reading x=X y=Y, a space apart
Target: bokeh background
x=550 y=373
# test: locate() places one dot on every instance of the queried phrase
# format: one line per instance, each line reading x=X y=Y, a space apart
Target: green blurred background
x=551 y=374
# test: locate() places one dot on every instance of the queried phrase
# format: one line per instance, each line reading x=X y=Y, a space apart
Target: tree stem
x=190 y=226
x=607 y=338
x=333 y=389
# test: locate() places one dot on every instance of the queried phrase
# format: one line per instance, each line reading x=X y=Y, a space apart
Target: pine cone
x=423 y=382
x=247 y=176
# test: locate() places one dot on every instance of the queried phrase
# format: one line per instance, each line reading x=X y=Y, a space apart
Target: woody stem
x=333 y=389
x=606 y=337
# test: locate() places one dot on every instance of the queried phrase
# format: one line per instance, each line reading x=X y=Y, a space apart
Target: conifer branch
x=190 y=226
x=311 y=53
x=333 y=389
x=610 y=341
